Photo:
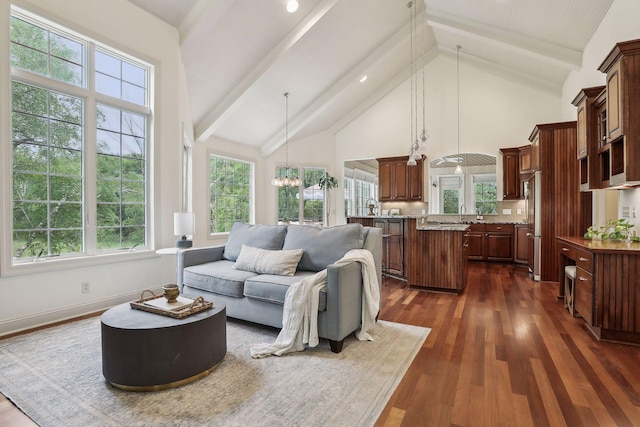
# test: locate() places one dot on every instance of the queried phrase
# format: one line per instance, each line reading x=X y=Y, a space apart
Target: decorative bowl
x=171 y=292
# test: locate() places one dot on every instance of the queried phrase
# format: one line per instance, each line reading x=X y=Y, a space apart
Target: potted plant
x=326 y=183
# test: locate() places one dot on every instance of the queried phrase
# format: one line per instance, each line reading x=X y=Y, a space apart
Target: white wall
x=619 y=24
x=495 y=112
x=39 y=298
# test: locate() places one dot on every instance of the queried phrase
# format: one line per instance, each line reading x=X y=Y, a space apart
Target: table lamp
x=183 y=225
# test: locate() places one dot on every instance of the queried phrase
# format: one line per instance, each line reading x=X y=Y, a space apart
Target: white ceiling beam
x=235 y=98
x=517 y=43
x=329 y=96
x=211 y=10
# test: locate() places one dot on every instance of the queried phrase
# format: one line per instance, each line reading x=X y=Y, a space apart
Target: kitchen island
x=437 y=258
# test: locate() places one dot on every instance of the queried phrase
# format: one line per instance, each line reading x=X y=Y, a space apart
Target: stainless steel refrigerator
x=532 y=202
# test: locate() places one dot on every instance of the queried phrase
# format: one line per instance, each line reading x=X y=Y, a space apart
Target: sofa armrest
x=344 y=300
x=195 y=256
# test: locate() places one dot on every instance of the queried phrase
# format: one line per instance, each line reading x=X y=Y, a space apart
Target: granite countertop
x=447 y=223
x=442 y=227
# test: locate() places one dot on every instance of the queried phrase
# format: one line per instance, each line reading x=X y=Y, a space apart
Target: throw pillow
x=323 y=246
x=263 y=261
x=257 y=235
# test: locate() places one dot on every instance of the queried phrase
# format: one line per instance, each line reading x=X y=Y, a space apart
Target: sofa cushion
x=263 y=261
x=322 y=246
x=260 y=236
x=271 y=288
x=218 y=277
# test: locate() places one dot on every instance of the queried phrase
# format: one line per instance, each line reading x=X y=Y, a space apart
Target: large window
x=80 y=157
x=451 y=194
x=230 y=192
x=303 y=204
x=360 y=188
x=485 y=194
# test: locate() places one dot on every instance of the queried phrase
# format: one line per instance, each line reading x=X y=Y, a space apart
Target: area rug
x=55 y=377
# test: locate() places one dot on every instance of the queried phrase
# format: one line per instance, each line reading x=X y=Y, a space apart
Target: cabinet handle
x=582 y=279
x=529 y=235
x=565 y=249
x=582 y=259
x=466 y=245
x=498 y=228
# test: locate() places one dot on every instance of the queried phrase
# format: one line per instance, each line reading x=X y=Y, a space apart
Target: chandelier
x=286 y=181
x=418 y=141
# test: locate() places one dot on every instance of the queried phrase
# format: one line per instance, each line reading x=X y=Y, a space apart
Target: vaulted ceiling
x=241 y=56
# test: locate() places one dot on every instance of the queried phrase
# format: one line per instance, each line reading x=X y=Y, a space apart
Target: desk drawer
x=584 y=260
x=583 y=295
x=566 y=250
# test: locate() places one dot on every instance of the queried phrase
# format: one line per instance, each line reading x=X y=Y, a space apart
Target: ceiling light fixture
x=292 y=6
x=418 y=143
x=458 y=170
x=286 y=181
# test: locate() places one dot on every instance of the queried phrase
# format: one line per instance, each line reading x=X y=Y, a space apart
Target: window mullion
x=89 y=161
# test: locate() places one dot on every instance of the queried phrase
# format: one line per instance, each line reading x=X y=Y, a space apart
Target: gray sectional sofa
x=258 y=295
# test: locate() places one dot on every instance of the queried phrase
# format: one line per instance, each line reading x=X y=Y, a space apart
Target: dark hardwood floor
x=504 y=353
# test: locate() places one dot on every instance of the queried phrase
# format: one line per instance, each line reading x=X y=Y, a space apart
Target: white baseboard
x=20 y=324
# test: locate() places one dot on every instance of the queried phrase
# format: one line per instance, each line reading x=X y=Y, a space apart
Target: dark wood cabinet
x=564 y=210
x=589 y=112
x=438 y=259
x=524 y=159
x=622 y=67
x=490 y=242
x=510 y=173
x=499 y=242
x=521 y=245
x=399 y=182
x=475 y=242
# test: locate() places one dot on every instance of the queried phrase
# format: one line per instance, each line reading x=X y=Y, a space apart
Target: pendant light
x=286 y=181
x=458 y=170
x=418 y=142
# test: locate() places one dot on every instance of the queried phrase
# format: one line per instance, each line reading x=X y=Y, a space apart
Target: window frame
x=252 y=192
x=90 y=255
x=300 y=171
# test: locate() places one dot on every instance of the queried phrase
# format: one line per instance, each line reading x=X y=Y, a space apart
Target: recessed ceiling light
x=292 y=6
x=363 y=79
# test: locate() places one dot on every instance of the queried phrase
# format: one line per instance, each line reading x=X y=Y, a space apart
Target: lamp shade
x=183 y=223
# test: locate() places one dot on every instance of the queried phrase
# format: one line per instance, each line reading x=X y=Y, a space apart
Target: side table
x=144 y=351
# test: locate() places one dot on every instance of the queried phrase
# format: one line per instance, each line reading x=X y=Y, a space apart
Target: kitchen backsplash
x=508 y=211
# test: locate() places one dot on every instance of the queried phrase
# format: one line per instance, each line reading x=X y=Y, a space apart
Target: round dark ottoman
x=144 y=351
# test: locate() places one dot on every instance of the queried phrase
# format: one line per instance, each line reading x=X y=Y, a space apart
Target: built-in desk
x=607 y=285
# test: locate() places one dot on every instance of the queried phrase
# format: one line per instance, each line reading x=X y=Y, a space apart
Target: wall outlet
x=85 y=287
x=506 y=211
x=519 y=211
x=423 y=211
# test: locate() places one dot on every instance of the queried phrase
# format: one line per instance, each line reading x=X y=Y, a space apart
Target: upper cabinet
x=510 y=173
x=592 y=114
x=622 y=67
x=398 y=182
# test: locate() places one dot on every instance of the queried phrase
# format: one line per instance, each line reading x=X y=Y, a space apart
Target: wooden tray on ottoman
x=197 y=305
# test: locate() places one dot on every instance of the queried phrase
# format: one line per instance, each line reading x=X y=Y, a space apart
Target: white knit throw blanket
x=300 y=311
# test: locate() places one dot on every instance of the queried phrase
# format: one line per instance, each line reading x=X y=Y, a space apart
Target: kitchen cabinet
x=622 y=67
x=589 y=112
x=438 y=259
x=606 y=286
x=524 y=160
x=563 y=209
x=490 y=242
x=521 y=245
x=499 y=242
x=475 y=242
x=393 y=242
x=510 y=174
x=398 y=182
